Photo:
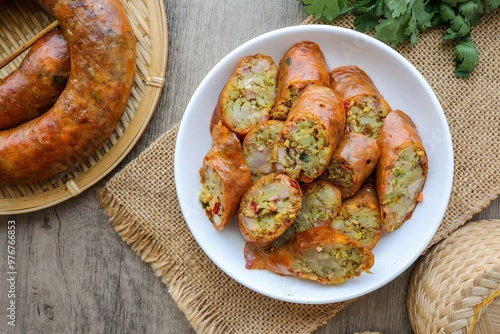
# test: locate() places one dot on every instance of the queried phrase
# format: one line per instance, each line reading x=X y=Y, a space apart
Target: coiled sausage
x=103 y=56
x=34 y=87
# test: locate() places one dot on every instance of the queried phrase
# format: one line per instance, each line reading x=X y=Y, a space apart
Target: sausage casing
x=103 y=57
x=401 y=170
x=354 y=159
x=225 y=177
x=321 y=254
x=365 y=107
x=303 y=64
x=359 y=216
x=248 y=96
x=268 y=208
x=310 y=135
x=34 y=87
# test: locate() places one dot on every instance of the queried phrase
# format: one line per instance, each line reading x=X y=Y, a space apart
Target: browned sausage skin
x=303 y=64
x=354 y=159
x=401 y=170
x=34 y=87
x=310 y=135
x=365 y=107
x=102 y=49
x=225 y=177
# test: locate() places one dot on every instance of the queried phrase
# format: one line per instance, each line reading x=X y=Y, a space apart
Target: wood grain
x=75 y=275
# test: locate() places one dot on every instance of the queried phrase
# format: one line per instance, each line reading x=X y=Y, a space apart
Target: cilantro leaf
x=467 y=58
x=392 y=29
x=327 y=10
x=365 y=22
x=397 y=7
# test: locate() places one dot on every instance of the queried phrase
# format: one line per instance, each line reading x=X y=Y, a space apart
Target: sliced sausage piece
x=321 y=254
x=360 y=217
x=248 y=96
x=268 y=208
x=365 y=107
x=303 y=64
x=321 y=202
x=401 y=170
x=34 y=87
x=310 y=135
x=354 y=159
x=224 y=176
x=258 y=145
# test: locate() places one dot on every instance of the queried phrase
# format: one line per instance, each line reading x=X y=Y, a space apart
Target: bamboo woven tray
x=18 y=24
x=455 y=288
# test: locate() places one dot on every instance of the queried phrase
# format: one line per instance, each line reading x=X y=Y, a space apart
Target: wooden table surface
x=75 y=275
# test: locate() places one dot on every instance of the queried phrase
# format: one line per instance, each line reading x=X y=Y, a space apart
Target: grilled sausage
x=365 y=107
x=102 y=50
x=258 y=145
x=225 y=177
x=34 y=87
x=320 y=254
x=401 y=170
x=359 y=216
x=248 y=96
x=310 y=135
x=303 y=64
x=268 y=208
x=321 y=202
x=353 y=161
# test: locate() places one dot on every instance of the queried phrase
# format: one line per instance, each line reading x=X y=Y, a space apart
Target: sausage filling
x=269 y=208
x=335 y=263
x=258 y=146
x=362 y=223
x=406 y=182
x=283 y=108
x=210 y=196
x=304 y=146
x=252 y=94
x=320 y=205
x=340 y=175
x=365 y=116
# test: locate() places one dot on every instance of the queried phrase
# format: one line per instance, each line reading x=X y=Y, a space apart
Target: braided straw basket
x=455 y=288
x=20 y=24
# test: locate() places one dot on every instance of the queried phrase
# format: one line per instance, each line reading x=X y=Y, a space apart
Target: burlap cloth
x=142 y=205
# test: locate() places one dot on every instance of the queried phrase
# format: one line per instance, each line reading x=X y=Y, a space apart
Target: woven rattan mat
x=142 y=204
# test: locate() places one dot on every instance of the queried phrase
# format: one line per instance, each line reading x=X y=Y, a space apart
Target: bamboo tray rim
x=155 y=81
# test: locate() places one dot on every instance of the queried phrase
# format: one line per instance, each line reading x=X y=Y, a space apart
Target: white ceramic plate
x=402 y=86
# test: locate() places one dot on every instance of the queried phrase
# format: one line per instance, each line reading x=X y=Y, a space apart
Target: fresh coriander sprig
x=400 y=21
